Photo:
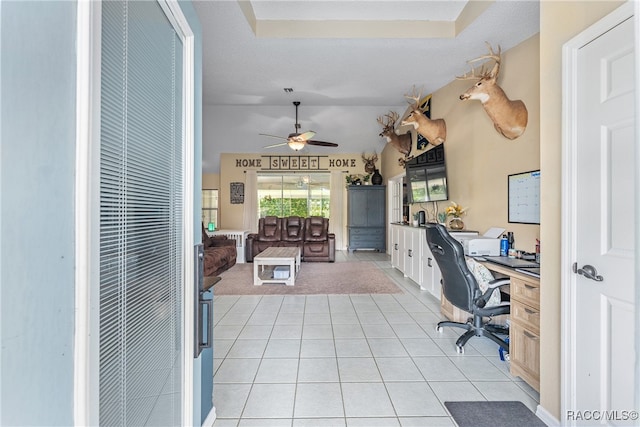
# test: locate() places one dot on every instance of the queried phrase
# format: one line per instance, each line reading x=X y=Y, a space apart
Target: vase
x=376 y=178
x=456 y=223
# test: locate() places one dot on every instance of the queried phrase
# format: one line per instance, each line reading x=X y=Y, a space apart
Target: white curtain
x=336 y=223
x=250 y=216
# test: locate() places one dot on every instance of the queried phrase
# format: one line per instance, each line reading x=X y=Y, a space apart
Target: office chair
x=461 y=288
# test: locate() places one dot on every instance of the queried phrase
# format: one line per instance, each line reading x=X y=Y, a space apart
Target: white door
x=602 y=206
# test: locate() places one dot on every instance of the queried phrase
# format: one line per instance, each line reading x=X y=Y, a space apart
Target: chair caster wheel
x=439 y=329
x=459 y=349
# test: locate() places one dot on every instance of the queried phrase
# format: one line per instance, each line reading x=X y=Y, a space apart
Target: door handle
x=588 y=271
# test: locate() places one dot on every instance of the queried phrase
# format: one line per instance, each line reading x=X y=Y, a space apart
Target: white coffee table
x=276 y=256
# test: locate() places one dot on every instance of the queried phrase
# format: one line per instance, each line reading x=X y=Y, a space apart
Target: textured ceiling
x=347 y=62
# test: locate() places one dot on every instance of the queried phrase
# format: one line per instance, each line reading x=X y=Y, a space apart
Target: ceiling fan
x=296 y=140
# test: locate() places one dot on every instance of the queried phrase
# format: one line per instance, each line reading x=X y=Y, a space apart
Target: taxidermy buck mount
x=509 y=117
x=370 y=162
x=402 y=143
x=435 y=131
x=296 y=140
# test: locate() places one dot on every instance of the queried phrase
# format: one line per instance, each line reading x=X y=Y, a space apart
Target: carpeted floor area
x=361 y=277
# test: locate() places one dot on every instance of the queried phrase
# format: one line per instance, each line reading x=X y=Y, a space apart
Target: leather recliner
x=311 y=235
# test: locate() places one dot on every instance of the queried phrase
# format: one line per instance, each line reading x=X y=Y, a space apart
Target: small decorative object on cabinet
x=456 y=223
x=456 y=211
x=376 y=178
x=366 y=217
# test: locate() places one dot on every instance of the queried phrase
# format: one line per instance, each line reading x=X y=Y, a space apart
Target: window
x=301 y=195
x=210 y=208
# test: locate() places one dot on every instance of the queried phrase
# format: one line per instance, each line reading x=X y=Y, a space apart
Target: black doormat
x=493 y=414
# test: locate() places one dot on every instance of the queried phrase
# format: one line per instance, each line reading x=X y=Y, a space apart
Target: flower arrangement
x=357 y=179
x=455 y=210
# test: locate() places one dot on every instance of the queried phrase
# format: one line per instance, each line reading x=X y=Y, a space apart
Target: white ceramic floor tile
x=236 y=371
x=247 y=349
x=417 y=347
x=290 y=318
x=373 y=422
x=478 y=368
x=221 y=348
x=358 y=369
x=286 y=332
x=317 y=318
x=505 y=390
x=277 y=371
x=352 y=348
x=318 y=400
x=270 y=401
x=346 y=318
x=229 y=332
x=229 y=399
x=438 y=369
x=397 y=317
x=387 y=347
x=456 y=391
x=415 y=399
x=366 y=400
x=426 y=421
x=372 y=318
x=318 y=370
x=316 y=332
x=378 y=331
x=319 y=422
x=347 y=331
x=282 y=348
x=317 y=348
x=408 y=330
x=398 y=369
x=265 y=422
x=255 y=332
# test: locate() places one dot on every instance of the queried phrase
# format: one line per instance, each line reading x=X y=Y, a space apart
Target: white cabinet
x=397 y=236
x=411 y=255
x=430 y=272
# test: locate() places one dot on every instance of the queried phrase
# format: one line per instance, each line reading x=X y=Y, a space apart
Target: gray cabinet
x=366 y=217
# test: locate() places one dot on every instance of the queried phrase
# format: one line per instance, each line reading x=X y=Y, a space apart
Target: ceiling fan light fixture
x=296 y=145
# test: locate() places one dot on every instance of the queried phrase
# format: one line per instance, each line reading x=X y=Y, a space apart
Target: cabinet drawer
x=526 y=292
x=372 y=232
x=526 y=316
x=524 y=351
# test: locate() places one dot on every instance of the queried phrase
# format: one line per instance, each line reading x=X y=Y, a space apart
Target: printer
x=481 y=246
x=486 y=245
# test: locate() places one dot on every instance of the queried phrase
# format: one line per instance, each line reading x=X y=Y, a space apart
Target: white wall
x=37 y=211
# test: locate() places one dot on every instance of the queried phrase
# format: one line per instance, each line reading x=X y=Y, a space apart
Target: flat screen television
x=427 y=177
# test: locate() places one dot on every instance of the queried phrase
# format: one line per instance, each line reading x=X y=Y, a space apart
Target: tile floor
x=349 y=360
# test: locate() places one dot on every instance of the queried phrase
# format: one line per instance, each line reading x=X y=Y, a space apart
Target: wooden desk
x=524 y=330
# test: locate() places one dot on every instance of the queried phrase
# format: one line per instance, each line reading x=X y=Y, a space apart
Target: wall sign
x=237 y=193
x=296 y=163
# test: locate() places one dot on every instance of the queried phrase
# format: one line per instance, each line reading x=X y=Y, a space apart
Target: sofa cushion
x=270 y=229
x=316 y=229
x=293 y=229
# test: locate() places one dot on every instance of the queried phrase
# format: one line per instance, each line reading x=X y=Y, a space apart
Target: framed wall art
x=237 y=193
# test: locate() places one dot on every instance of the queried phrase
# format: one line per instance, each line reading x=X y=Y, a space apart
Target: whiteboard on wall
x=524 y=197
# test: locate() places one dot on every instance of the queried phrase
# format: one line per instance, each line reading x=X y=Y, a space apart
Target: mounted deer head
x=402 y=143
x=370 y=163
x=509 y=117
x=434 y=130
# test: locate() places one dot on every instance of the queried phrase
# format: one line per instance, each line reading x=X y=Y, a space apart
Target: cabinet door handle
x=410 y=252
x=531 y=336
x=429 y=262
x=395 y=247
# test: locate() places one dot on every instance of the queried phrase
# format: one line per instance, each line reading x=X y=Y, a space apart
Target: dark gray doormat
x=493 y=414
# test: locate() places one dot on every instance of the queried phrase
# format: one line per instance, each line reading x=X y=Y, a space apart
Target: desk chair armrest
x=482 y=300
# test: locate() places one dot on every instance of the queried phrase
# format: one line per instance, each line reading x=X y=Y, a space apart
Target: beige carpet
x=362 y=277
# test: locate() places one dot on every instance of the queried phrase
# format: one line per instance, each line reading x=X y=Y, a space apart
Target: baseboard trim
x=547 y=417
x=211 y=418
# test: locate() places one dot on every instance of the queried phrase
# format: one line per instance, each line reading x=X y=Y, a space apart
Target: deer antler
x=413 y=97
x=483 y=73
x=388 y=121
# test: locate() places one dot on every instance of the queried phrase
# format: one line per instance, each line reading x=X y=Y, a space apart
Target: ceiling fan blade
x=272 y=136
x=276 y=145
x=307 y=135
x=322 y=143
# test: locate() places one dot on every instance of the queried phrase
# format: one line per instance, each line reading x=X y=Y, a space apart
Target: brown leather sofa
x=219 y=253
x=311 y=235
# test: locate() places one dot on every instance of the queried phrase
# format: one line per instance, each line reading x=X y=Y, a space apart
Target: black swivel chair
x=461 y=288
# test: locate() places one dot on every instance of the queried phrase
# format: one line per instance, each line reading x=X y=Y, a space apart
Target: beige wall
x=478 y=157
x=210 y=181
x=234 y=165
x=559 y=22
